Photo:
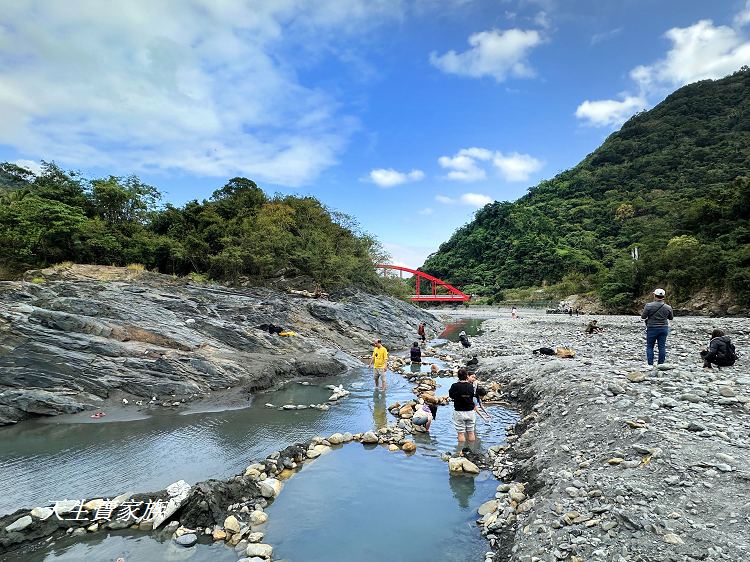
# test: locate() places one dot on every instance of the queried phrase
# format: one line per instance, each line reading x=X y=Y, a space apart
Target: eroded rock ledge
x=78 y=335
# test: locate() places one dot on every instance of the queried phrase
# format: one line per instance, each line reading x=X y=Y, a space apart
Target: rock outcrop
x=78 y=334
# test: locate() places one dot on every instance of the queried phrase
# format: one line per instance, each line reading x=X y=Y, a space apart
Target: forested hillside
x=58 y=216
x=673 y=183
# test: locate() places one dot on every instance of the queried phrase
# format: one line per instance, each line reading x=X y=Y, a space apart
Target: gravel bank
x=613 y=462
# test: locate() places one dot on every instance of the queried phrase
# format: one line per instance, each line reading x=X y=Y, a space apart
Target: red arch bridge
x=451 y=295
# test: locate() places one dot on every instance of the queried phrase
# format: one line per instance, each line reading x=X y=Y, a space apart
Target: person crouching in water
x=423 y=416
x=415 y=353
x=464 y=339
x=719 y=351
x=464 y=418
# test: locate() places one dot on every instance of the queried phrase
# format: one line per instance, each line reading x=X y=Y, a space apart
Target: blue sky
x=407 y=115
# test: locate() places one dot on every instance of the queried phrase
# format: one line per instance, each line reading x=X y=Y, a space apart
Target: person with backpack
x=657 y=315
x=720 y=351
x=422 y=333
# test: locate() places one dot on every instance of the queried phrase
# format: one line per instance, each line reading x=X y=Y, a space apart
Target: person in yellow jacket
x=379 y=360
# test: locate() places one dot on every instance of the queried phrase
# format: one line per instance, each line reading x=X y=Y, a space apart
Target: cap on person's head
x=659 y=292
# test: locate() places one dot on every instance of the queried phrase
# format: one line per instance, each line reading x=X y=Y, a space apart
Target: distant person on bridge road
x=421 y=332
x=657 y=315
x=415 y=353
x=464 y=339
x=379 y=361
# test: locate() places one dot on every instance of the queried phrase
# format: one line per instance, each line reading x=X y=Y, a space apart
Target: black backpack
x=731 y=352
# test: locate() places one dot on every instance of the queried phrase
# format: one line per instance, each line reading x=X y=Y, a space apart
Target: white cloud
x=605 y=35
x=476 y=199
x=407 y=255
x=202 y=86
x=542 y=20
x=743 y=17
x=602 y=113
x=515 y=166
x=697 y=52
x=466 y=165
x=463 y=166
x=471 y=199
x=496 y=53
x=388 y=177
x=31 y=165
x=426 y=211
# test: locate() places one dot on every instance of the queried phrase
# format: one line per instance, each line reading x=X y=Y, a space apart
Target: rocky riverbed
x=79 y=338
x=613 y=461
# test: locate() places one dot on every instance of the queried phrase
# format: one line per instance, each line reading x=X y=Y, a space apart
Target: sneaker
x=648 y=367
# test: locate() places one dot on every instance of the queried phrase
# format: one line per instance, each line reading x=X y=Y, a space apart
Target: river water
x=380 y=504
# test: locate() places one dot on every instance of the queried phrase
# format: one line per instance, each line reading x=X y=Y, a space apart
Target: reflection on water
x=128 y=545
x=374 y=505
x=391 y=496
x=472 y=327
x=463 y=488
x=379 y=414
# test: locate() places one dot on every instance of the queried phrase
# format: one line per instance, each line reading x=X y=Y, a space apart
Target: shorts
x=378 y=372
x=464 y=422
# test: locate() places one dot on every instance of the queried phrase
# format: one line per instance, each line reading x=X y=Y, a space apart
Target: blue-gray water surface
x=53 y=461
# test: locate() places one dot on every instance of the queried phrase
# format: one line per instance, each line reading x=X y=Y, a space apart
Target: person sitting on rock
x=415 y=353
x=592 y=328
x=720 y=351
x=473 y=361
x=464 y=339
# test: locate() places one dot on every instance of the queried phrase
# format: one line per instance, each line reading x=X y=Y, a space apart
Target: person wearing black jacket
x=464 y=419
x=719 y=351
x=415 y=353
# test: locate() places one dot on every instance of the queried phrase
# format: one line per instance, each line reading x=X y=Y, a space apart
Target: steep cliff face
x=75 y=335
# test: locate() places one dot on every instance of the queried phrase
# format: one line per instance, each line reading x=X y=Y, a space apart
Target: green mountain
x=673 y=183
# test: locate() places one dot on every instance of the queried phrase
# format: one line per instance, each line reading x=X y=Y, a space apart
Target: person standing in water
x=657 y=315
x=464 y=418
x=379 y=362
x=422 y=333
x=415 y=353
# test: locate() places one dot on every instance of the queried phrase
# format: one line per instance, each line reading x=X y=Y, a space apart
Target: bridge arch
x=453 y=295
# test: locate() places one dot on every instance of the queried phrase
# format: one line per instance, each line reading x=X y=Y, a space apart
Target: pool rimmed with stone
x=380 y=502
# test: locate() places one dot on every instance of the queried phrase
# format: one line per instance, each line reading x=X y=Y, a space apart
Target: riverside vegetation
x=239 y=233
x=673 y=183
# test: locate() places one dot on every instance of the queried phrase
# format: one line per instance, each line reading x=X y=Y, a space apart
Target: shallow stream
x=372 y=502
